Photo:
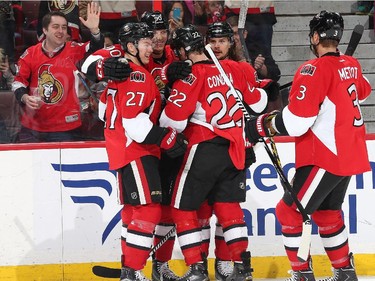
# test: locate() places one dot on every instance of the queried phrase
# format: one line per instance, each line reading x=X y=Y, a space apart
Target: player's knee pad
x=288 y=215
x=228 y=213
x=146 y=217
x=328 y=219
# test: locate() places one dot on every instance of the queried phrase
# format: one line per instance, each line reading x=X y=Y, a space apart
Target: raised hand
x=93 y=15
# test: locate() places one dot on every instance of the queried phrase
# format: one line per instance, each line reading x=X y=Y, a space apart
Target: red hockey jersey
x=130 y=109
x=54 y=80
x=203 y=107
x=325 y=116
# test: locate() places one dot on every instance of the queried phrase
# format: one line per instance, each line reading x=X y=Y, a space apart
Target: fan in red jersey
x=46 y=85
x=203 y=107
x=325 y=117
x=130 y=109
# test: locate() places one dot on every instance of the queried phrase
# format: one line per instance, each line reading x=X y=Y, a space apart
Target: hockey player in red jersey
x=164 y=67
x=206 y=111
x=130 y=109
x=46 y=85
x=220 y=36
x=162 y=59
x=325 y=118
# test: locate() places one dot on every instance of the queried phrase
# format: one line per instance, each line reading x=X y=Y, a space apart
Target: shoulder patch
x=137 y=76
x=190 y=79
x=308 y=69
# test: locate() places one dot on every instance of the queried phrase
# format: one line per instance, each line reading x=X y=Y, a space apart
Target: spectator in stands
x=177 y=13
x=7 y=27
x=261 y=60
x=46 y=85
x=71 y=11
x=109 y=39
x=365 y=8
x=6 y=76
x=114 y=14
x=259 y=22
x=209 y=11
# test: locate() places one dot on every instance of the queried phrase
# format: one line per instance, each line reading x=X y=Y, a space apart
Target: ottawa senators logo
x=62 y=5
x=190 y=79
x=308 y=69
x=49 y=89
x=137 y=76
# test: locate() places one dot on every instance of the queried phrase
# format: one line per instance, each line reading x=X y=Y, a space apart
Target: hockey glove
x=174 y=144
x=271 y=87
x=176 y=70
x=117 y=69
x=259 y=127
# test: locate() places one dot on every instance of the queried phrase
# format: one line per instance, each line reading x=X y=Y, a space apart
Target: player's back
x=333 y=86
x=215 y=111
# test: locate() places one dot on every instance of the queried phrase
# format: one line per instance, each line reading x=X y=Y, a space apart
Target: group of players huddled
x=176 y=135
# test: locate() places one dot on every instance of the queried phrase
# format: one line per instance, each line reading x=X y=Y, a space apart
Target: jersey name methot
x=348 y=73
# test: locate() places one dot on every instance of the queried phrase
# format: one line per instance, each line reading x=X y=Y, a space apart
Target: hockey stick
x=87 y=87
x=354 y=40
x=350 y=49
x=241 y=27
x=303 y=250
x=108 y=272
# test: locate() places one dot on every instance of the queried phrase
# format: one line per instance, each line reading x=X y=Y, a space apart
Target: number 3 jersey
x=203 y=106
x=130 y=108
x=325 y=116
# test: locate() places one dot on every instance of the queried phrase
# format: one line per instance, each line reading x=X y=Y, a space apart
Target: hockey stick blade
x=106 y=272
x=354 y=40
x=304 y=245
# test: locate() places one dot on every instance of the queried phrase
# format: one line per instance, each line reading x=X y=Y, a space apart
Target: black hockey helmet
x=133 y=32
x=187 y=37
x=218 y=30
x=155 y=20
x=329 y=25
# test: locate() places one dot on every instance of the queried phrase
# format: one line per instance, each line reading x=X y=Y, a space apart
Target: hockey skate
x=242 y=271
x=129 y=274
x=223 y=269
x=344 y=273
x=196 y=272
x=162 y=272
x=302 y=275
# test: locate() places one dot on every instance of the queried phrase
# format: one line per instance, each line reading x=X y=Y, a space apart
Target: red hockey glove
x=271 y=87
x=258 y=127
x=174 y=71
x=174 y=144
x=117 y=69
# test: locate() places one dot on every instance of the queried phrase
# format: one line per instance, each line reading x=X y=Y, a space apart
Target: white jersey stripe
x=312 y=188
x=138 y=182
x=184 y=174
